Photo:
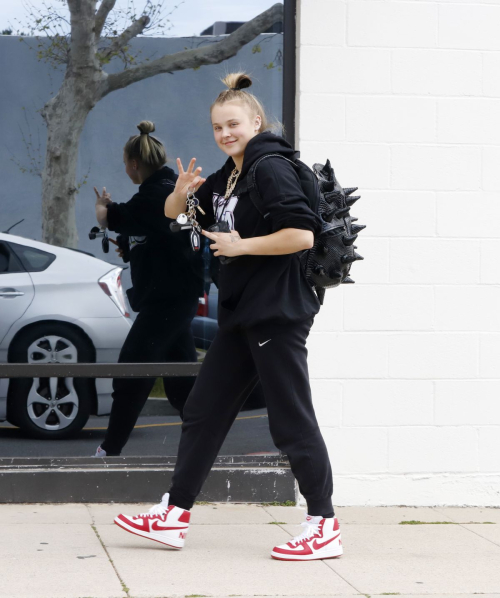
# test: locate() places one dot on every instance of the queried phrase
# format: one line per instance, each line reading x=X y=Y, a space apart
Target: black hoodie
x=164 y=268
x=258 y=288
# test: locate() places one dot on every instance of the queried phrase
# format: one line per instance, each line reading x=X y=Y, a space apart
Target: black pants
x=276 y=355
x=159 y=334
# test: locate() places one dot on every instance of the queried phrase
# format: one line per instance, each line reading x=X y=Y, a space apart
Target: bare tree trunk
x=65 y=116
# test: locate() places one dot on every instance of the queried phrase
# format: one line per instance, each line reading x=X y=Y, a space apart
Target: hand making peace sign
x=188 y=180
x=104 y=199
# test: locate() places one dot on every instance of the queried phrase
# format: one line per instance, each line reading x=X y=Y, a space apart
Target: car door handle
x=10 y=293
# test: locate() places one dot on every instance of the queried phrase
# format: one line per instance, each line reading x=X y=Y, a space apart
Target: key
x=195 y=240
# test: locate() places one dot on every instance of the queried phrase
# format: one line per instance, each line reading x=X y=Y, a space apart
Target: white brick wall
x=436 y=167
x=490 y=264
x=404 y=97
x=467 y=403
x=391 y=119
x=491 y=172
x=373 y=23
x=489 y=350
x=472 y=26
x=347 y=70
x=433 y=261
x=468 y=121
x=434 y=72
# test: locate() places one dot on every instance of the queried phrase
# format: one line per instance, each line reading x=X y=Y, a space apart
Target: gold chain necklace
x=231 y=182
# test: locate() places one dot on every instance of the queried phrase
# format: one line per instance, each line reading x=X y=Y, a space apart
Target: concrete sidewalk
x=75 y=551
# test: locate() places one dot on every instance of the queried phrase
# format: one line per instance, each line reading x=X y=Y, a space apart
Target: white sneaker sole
x=162 y=538
x=331 y=553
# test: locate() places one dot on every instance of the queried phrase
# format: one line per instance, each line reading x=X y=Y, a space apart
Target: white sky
x=190 y=18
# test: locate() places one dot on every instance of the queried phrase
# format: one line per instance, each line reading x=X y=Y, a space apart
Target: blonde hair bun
x=146 y=127
x=237 y=81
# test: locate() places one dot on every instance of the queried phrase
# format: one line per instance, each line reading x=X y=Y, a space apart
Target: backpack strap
x=250 y=183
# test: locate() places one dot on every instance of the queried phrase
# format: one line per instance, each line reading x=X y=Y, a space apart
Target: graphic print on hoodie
x=258 y=288
x=224 y=209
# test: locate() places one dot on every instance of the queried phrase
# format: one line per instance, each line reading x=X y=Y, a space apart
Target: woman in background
x=167 y=281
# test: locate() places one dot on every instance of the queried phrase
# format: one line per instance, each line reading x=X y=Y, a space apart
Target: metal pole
x=289 y=65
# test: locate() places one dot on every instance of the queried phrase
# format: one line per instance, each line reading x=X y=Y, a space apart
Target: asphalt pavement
x=154 y=435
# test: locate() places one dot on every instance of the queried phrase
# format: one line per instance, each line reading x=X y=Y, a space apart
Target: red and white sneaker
x=163 y=523
x=320 y=540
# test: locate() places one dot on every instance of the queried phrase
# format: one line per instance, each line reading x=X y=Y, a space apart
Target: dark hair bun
x=146 y=127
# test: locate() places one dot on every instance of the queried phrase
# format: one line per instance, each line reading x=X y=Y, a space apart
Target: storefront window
x=69 y=304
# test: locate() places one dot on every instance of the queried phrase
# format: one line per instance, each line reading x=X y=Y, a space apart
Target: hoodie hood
x=163 y=173
x=260 y=145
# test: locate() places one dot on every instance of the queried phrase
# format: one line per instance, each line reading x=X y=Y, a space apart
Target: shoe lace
x=159 y=509
x=311 y=529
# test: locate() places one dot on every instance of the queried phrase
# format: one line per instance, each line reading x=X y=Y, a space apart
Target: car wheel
x=50 y=408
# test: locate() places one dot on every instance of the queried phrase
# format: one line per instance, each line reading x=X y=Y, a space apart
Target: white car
x=57 y=306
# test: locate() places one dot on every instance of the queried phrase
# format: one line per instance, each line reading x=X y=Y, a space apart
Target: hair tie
x=234 y=89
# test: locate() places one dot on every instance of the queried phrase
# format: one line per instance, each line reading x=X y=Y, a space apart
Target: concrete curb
x=256 y=479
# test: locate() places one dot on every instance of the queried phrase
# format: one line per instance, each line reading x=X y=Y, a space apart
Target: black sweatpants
x=159 y=334
x=276 y=355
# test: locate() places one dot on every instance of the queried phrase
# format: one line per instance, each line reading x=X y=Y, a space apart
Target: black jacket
x=254 y=289
x=164 y=268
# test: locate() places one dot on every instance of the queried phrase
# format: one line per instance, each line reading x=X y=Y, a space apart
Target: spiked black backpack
x=328 y=263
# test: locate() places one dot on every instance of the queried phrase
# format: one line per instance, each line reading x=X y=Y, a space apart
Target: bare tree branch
x=122 y=40
x=82 y=52
x=212 y=54
x=101 y=16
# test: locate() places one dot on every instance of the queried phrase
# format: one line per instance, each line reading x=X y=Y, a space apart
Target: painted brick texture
x=404 y=98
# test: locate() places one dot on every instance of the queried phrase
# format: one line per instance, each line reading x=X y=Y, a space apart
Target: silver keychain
x=188 y=220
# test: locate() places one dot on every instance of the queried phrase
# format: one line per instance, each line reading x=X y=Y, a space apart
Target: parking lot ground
x=154 y=435
x=75 y=551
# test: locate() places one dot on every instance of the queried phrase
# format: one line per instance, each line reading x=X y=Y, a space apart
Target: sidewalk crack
x=462 y=525
x=442 y=513
x=266 y=511
x=124 y=587
x=343 y=578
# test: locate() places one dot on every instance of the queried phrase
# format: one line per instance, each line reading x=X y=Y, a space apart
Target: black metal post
x=289 y=66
